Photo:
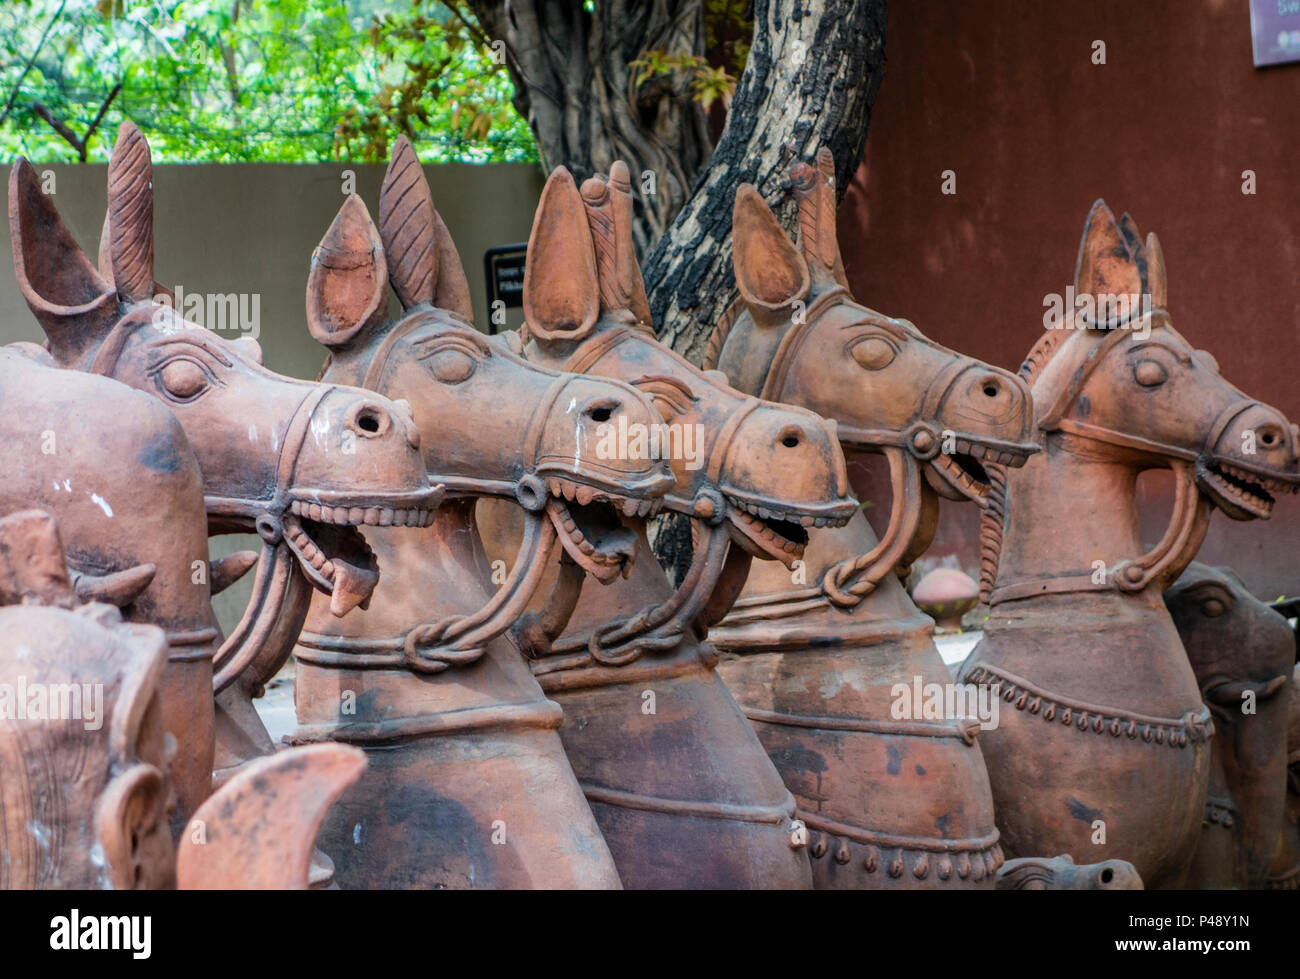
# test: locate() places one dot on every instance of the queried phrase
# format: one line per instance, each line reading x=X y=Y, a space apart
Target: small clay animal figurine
x=1062 y=874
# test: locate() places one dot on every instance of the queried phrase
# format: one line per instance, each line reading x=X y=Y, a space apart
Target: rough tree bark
x=812 y=76
x=575 y=85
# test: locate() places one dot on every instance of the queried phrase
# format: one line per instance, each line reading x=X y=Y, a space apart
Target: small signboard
x=503 y=268
x=1275 y=31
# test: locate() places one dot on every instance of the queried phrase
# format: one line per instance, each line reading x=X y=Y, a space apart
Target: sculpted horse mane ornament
x=681 y=787
x=893 y=798
x=1102 y=747
x=468 y=784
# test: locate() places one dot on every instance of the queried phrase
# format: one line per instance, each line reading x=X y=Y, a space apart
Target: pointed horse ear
x=561 y=286
x=130 y=216
x=815 y=190
x=609 y=217
x=74 y=304
x=770 y=273
x=346 y=288
x=406 y=225
x=1106 y=265
x=1157 y=283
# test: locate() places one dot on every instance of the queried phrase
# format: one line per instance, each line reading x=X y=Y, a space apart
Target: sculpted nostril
x=992 y=388
x=790 y=437
x=603 y=410
x=369 y=420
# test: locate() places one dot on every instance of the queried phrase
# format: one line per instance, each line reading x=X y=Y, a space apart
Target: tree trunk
x=574 y=83
x=812 y=76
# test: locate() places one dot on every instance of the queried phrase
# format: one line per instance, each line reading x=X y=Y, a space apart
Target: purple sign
x=1275 y=31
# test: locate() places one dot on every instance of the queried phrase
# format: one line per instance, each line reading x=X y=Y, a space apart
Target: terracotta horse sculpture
x=1242 y=653
x=1285 y=872
x=893 y=798
x=682 y=789
x=1103 y=743
x=301 y=464
x=85 y=786
x=468 y=784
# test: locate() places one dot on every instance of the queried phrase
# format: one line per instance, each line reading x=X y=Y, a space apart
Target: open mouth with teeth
x=326 y=539
x=588 y=522
x=771 y=531
x=961 y=474
x=1241 y=493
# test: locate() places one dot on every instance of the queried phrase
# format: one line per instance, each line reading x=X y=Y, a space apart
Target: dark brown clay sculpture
x=1062 y=874
x=59 y=430
x=826 y=662
x=1243 y=654
x=301 y=464
x=683 y=791
x=1285 y=872
x=1103 y=742
x=468 y=784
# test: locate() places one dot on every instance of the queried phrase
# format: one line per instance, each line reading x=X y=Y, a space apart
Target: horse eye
x=1212 y=608
x=451 y=366
x=183 y=379
x=1150 y=374
x=873 y=353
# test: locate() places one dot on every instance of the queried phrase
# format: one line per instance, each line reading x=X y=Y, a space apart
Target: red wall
x=1006 y=95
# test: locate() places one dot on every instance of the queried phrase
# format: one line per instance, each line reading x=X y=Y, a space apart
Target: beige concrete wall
x=250 y=229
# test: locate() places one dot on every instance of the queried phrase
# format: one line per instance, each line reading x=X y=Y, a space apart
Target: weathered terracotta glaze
x=816 y=662
x=468 y=784
x=1242 y=653
x=1103 y=747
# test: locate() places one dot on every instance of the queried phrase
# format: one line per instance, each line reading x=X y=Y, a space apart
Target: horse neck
x=1066 y=508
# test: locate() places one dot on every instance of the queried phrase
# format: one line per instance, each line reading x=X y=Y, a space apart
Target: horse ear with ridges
x=1105 y=266
x=406 y=222
x=1156 y=281
x=770 y=272
x=130 y=210
x=74 y=304
x=346 y=288
x=561 y=286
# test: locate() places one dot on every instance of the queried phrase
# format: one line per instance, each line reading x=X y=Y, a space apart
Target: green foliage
x=727 y=31
x=243 y=80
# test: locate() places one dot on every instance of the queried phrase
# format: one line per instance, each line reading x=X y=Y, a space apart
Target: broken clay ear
x=74 y=304
x=1106 y=266
x=770 y=272
x=1157 y=284
x=346 y=288
x=128 y=814
x=561 y=288
x=259 y=829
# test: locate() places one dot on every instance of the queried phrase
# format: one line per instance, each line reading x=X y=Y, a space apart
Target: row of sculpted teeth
x=566 y=489
x=374 y=516
x=953 y=470
x=1252 y=484
x=896 y=861
x=579 y=538
x=988 y=453
x=770 y=512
